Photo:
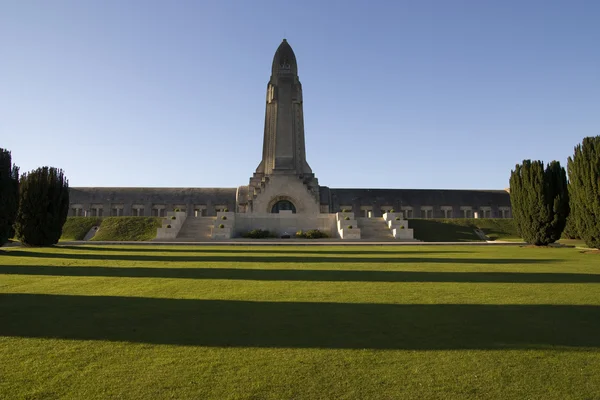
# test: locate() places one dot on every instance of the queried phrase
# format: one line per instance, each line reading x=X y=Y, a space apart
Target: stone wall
x=416 y=203
x=285 y=221
x=151 y=201
x=423 y=203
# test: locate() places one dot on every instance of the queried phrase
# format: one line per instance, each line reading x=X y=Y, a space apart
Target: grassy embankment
x=112 y=228
x=77 y=227
x=462 y=230
x=128 y=228
x=406 y=322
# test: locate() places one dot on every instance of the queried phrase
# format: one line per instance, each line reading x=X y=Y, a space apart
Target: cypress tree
x=44 y=205
x=540 y=201
x=571 y=231
x=557 y=199
x=9 y=195
x=584 y=188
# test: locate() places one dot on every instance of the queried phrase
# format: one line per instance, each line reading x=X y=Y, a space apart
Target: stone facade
x=106 y=202
x=418 y=203
x=283 y=193
x=207 y=201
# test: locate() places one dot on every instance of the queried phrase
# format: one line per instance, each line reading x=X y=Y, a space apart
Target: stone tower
x=283 y=173
x=283 y=143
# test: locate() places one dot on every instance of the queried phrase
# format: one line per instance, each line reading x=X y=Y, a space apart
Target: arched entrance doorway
x=283 y=205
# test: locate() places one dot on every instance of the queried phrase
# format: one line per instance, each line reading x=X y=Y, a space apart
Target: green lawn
x=305 y=322
x=573 y=242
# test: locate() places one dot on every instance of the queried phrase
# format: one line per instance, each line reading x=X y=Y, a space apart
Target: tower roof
x=284 y=60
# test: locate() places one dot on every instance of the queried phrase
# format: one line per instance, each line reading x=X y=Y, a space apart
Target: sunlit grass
x=300 y=322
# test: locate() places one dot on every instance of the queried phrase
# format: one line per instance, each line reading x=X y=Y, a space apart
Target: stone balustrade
x=171 y=225
x=347 y=226
x=398 y=226
x=227 y=221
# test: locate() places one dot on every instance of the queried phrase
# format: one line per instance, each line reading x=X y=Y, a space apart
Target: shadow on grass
x=251 y=258
x=303 y=275
x=200 y=250
x=299 y=325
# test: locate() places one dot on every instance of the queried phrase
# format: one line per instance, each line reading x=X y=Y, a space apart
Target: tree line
x=546 y=205
x=34 y=205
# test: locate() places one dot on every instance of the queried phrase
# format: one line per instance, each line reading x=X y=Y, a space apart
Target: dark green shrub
x=173 y=217
x=9 y=195
x=258 y=234
x=221 y=226
x=43 y=206
x=315 y=234
x=168 y=226
x=312 y=234
x=540 y=201
x=349 y=226
x=226 y=209
x=223 y=218
x=345 y=210
x=397 y=218
x=347 y=218
x=177 y=210
x=391 y=211
x=401 y=226
x=584 y=190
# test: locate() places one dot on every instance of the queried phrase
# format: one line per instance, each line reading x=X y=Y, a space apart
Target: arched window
x=283 y=205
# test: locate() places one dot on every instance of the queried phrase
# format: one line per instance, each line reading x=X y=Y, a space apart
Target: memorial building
x=283 y=193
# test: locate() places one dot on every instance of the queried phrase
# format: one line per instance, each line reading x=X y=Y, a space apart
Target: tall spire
x=283 y=180
x=283 y=143
x=284 y=61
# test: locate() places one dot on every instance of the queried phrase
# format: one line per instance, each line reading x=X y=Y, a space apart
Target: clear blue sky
x=397 y=94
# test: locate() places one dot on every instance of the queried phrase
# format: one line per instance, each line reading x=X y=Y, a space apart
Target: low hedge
x=312 y=234
x=259 y=234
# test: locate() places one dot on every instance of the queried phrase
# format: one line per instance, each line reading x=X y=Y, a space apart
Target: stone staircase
x=374 y=229
x=196 y=229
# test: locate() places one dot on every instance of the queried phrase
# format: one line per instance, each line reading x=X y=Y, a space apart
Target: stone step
x=373 y=228
x=197 y=228
x=191 y=222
